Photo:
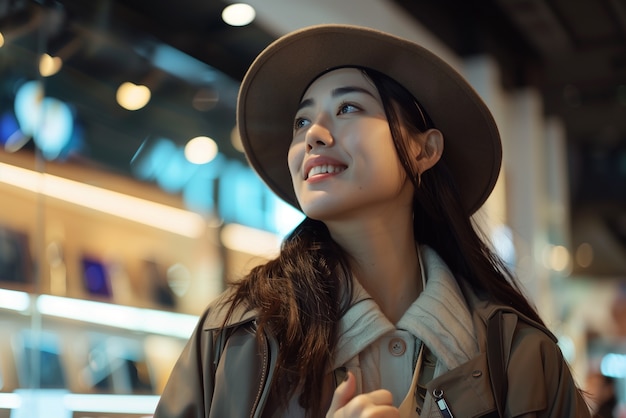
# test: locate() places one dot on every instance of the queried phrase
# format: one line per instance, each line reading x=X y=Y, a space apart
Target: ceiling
x=573 y=52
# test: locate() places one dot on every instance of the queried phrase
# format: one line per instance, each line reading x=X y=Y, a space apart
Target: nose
x=318 y=135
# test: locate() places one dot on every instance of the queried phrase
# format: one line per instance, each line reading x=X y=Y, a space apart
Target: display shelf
x=149 y=321
x=115 y=345
x=109 y=360
x=63 y=404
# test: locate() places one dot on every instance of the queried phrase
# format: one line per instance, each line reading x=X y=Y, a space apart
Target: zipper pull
x=442 y=404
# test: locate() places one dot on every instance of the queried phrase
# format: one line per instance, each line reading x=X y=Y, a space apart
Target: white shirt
x=383 y=355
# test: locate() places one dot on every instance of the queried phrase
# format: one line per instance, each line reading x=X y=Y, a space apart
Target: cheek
x=386 y=157
x=294 y=159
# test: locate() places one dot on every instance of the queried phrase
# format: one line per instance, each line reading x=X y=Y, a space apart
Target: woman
x=384 y=301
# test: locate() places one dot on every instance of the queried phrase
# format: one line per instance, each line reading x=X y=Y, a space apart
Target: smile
x=324 y=169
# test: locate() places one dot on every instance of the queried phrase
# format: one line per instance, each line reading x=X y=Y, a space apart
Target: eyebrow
x=339 y=91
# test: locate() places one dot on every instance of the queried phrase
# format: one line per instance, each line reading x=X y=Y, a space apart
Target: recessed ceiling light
x=238 y=14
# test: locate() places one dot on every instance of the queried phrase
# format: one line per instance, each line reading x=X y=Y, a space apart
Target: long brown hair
x=302 y=294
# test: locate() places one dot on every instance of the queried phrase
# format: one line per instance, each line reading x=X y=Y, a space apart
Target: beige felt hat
x=273 y=86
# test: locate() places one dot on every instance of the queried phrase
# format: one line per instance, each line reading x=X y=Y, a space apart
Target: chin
x=327 y=213
x=319 y=211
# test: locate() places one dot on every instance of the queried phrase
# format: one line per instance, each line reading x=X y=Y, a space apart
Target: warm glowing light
x=200 y=150
x=143 y=211
x=49 y=65
x=132 y=96
x=1 y=40
x=124 y=317
x=238 y=14
x=559 y=258
x=584 y=255
x=249 y=240
x=235 y=139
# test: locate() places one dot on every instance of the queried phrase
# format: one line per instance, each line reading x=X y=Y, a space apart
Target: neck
x=386 y=261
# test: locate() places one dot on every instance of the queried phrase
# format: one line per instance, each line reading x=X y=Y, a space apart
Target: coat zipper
x=264 y=368
x=442 y=404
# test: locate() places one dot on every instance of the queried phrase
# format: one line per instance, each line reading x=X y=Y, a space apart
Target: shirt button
x=397 y=346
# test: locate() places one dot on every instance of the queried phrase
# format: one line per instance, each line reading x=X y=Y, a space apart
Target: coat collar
x=483 y=309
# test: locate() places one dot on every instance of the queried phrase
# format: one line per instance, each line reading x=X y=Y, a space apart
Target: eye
x=347 y=108
x=300 y=123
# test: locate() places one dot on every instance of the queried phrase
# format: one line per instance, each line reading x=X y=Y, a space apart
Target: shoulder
x=528 y=347
x=535 y=346
x=485 y=310
x=220 y=313
x=539 y=377
x=519 y=333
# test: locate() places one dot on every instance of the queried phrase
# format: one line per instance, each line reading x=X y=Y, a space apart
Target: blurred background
x=126 y=203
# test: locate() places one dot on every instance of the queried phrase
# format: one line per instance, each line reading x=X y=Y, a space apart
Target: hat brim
x=272 y=87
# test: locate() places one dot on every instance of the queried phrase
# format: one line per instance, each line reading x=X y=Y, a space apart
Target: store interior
x=127 y=205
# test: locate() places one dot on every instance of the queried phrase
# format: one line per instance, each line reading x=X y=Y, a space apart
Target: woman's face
x=342 y=159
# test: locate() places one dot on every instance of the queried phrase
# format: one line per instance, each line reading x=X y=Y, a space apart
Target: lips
x=316 y=166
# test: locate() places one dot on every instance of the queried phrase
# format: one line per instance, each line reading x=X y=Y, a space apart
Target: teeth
x=322 y=169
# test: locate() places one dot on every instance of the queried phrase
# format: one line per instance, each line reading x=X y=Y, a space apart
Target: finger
x=382 y=412
x=379 y=397
x=343 y=393
x=376 y=404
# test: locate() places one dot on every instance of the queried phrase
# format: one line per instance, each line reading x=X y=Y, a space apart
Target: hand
x=376 y=404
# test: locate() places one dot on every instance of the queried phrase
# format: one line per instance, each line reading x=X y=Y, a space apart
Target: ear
x=432 y=149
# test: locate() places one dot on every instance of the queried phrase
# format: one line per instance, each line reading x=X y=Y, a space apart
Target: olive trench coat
x=228 y=373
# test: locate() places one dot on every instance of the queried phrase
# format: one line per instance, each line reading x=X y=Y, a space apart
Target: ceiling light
x=584 y=255
x=200 y=150
x=235 y=139
x=559 y=258
x=48 y=120
x=27 y=105
x=238 y=14
x=49 y=65
x=55 y=127
x=132 y=96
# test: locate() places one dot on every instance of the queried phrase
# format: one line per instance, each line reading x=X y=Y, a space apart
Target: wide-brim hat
x=273 y=86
